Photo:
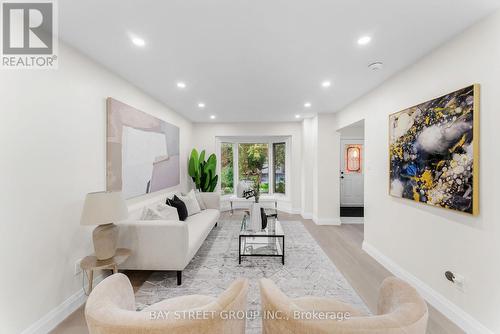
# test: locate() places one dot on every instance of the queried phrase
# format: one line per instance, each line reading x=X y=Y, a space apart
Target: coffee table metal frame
x=278 y=235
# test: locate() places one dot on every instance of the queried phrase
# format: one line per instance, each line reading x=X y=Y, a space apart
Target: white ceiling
x=261 y=60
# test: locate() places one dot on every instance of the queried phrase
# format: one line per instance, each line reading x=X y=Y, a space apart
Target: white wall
x=307 y=166
x=320 y=174
x=326 y=195
x=52 y=130
x=353 y=131
x=423 y=240
x=204 y=138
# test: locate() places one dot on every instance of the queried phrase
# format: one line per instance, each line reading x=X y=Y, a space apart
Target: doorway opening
x=352 y=169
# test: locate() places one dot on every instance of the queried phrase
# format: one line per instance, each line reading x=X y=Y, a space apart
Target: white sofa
x=167 y=244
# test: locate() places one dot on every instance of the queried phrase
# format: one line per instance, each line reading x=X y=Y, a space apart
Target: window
x=247 y=159
x=253 y=163
x=227 y=177
x=279 y=154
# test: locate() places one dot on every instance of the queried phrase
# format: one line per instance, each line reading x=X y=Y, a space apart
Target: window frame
x=269 y=140
x=273 y=175
x=219 y=167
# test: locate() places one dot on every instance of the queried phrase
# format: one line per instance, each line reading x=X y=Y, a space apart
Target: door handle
x=342 y=177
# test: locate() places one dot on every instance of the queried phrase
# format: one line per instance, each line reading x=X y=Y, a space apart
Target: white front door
x=351 y=172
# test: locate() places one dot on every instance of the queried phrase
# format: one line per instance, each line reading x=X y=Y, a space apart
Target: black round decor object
x=263 y=217
x=177 y=203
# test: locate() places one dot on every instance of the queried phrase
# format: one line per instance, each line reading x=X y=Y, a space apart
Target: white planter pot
x=255 y=217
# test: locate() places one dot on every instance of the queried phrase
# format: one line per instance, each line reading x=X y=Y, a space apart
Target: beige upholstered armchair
x=111 y=309
x=401 y=310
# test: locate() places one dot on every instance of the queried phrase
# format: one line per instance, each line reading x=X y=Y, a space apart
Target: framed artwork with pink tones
x=352 y=158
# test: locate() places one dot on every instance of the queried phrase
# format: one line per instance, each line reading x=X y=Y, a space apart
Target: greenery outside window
x=279 y=163
x=242 y=159
x=250 y=157
x=227 y=169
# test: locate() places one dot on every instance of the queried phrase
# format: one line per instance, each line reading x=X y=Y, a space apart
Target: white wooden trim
x=461 y=318
x=306 y=215
x=57 y=315
x=326 y=221
x=352 y=220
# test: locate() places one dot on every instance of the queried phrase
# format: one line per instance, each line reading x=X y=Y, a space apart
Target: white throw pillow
x=191 y=202
x=150 y=214
x=167 y=212
x=200 y=200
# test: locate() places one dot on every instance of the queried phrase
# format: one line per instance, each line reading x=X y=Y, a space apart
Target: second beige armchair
x=401 y=310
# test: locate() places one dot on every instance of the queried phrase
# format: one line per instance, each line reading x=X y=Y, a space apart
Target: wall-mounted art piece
x=434 y=151
x=142 y=151
x=352 y=158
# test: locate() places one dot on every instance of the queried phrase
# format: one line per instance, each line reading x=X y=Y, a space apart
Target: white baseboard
x=291 y=211
x=306 y=215
x=326 y=221
x=352 y=220
x=461 y=318
x=52 y=319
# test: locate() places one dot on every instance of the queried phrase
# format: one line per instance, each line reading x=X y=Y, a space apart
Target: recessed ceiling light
x=326 y=84
x=376 y=66
x=212 y=116
x=181 y=85
x=363 y=40
x=201 y=105
x=307 y=104
x=297 y=116
x=138 y=41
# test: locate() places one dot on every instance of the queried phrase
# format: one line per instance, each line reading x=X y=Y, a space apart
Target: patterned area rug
x=307 y=271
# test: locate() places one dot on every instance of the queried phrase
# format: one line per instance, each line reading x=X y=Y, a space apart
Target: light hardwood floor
x=342 y=244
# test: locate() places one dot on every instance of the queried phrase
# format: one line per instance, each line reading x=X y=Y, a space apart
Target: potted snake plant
x=203 y=173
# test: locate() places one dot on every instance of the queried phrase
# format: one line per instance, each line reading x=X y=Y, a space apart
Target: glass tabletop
x=258 y=246
x=273 y=228
x=271 y=212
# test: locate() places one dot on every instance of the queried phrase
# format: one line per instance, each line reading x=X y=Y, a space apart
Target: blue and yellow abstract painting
x=433 y=149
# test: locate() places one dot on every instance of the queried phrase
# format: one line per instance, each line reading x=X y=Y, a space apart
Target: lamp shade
x=102 y=208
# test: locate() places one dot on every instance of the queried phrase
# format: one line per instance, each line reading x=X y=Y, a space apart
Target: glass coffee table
x=267 y=242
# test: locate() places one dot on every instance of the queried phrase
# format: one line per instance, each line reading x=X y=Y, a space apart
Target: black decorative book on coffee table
x=267 y=242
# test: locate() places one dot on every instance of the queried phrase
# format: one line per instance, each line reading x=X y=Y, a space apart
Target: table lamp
x=104 y=209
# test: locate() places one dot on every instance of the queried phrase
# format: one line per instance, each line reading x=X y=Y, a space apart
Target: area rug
x=307 y=271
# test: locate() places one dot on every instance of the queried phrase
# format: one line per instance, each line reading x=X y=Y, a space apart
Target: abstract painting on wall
x=142 y=151
x=434 y=151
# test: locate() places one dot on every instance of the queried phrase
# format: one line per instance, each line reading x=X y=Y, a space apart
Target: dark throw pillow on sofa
x=179 y=205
